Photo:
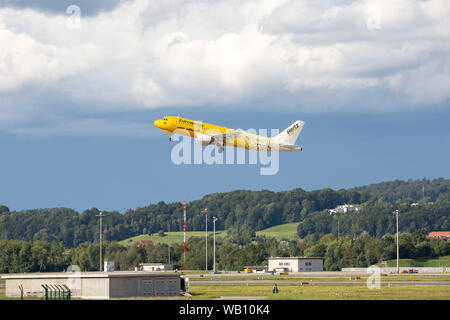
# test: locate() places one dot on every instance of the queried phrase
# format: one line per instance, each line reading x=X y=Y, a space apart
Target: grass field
x=314 y=279
x=442 y=262
x=284 y=231
x=172 y=237
x=322 y=292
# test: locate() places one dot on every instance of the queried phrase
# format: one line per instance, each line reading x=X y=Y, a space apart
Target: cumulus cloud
x=313 y=56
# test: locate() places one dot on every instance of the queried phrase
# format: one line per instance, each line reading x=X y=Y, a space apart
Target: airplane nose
x=157 y=123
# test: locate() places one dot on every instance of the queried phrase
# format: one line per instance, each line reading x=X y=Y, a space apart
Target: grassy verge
x=415 y=277
x=323 y=292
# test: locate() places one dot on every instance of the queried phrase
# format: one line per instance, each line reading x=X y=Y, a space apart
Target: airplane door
x=175 y=122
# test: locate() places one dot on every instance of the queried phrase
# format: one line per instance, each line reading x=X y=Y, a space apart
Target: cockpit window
x=165 y=119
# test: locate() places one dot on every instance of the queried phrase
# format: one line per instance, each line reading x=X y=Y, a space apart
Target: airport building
x=295 y=264
x=153 y=267
x=96 y=285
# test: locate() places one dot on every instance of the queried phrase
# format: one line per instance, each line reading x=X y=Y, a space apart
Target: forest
x=52 y=239
x=17 y=256
x=244 y=212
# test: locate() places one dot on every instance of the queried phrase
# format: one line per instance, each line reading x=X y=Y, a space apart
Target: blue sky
x=81 y=88
x=114 y=173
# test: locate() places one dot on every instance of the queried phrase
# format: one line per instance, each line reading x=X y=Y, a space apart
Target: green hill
x=173 y=237
x=413 y=189
x=240 y=211
x=283 y=231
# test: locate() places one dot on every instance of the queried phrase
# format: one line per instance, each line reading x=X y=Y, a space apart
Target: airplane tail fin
x=290 y=135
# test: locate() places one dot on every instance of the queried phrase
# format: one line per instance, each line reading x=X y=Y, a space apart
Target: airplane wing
x=219 y=138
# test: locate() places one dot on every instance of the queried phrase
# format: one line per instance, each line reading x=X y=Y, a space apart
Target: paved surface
x=239 y=298
x=329 y=283
x=321 y=274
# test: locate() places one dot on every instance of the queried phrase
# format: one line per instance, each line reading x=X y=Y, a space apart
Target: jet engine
x=203 y=139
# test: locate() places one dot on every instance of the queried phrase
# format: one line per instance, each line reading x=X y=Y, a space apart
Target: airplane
x=206 y=134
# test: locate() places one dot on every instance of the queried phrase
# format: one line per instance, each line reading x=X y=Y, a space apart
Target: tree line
x=412 y=189
x=244 y=211
x=255 y=209
x=376 y=218
x=17 y=256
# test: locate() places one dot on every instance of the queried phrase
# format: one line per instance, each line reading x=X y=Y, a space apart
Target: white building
x=156 y=267
x=295 y=264
x=108 y=266
x=344 y=208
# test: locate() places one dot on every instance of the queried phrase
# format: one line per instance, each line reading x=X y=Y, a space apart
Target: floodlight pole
x=396 y=215
x=168 y=239
x=100 y=215
x=206 y=237
x=184 y=234
x=214 y=224
x=338 y=224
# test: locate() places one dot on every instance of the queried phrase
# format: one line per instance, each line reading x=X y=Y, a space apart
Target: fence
x=56 y=292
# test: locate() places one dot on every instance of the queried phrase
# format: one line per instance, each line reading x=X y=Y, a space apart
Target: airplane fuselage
x=205 y=133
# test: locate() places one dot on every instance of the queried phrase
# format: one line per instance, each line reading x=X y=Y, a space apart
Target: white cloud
x=310 y=56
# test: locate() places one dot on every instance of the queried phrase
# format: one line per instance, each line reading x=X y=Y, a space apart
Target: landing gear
x=220 y=149
x=170 y=138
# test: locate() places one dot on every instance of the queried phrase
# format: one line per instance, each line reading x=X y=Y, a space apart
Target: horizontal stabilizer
x=290 y=147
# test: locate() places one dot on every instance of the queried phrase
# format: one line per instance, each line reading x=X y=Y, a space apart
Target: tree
x=39 y=254
x=317 y=250
x=3 y=209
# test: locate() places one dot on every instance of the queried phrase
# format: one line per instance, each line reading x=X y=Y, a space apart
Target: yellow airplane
x=206 y=134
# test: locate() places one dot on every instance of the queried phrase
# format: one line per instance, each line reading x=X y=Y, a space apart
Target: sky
x=82 y=82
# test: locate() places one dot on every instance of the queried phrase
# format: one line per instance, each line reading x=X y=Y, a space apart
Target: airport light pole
x=338 y=224
x=214 y=224
x=168 y=239
x=396 y=215
x=101 y=215
x=184 y=234
x=206 y=211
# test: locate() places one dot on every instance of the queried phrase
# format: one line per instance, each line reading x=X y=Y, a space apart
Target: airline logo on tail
x=292 y=129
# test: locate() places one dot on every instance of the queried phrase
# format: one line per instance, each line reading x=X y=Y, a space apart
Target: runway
x=329 y=283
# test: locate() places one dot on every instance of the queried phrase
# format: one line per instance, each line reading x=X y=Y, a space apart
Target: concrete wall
x=97 y=285
x=148 y=286
x=310 y=265
x=93 y=288
x=31 y=287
